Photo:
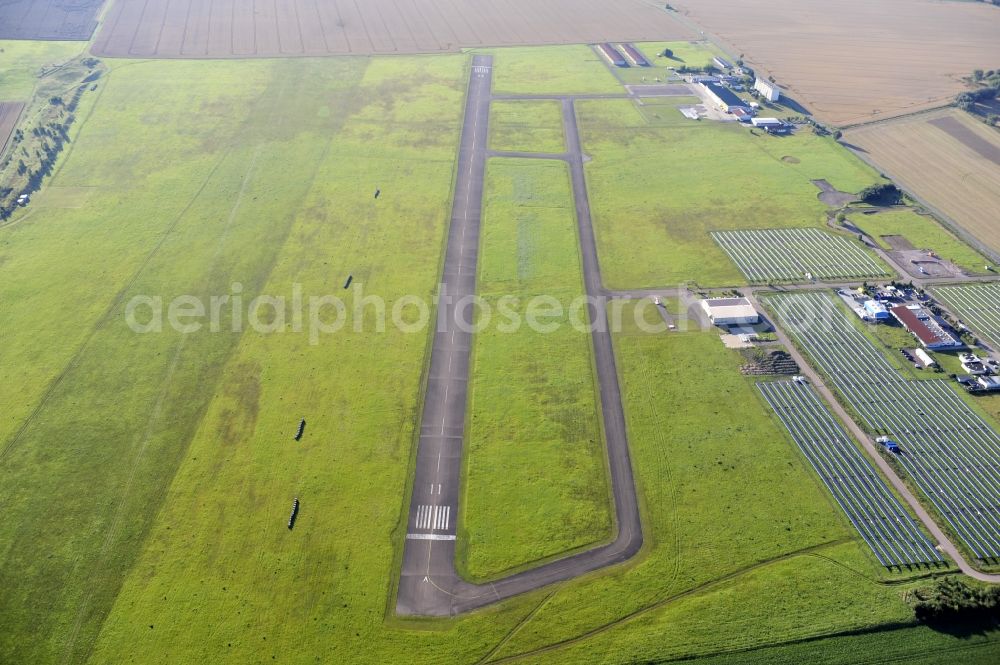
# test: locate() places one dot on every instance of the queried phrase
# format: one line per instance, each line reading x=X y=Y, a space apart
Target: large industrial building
x=724 y=98
x=927 y=328
x=730 y=311
x=768 y=90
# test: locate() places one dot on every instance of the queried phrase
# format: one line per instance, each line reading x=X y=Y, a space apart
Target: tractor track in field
x=704 y=586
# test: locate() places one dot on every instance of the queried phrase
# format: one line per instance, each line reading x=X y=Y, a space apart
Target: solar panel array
x=870 y=505
x=776 y=255
x=951 y=453
x=978 y=305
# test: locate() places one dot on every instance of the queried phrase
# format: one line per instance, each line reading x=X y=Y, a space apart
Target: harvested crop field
x=947 y=159
x=48 y=19
x=9 y=113
x=240 y=28
x=855 y=60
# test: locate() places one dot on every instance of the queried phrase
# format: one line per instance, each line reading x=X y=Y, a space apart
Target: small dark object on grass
x=295 y=513
x=377 y=192
x=302 y=428
x=350 y=278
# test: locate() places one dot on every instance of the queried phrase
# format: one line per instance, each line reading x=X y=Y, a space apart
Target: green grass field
x=147 y=478
x=266 y=180
x=923 y=232
x=708 y=459
x=535 y=463
x=697 y=55
x=665 y=111
x=657 y=192
x=527 y=126
x=21 y=62
x=575 y=69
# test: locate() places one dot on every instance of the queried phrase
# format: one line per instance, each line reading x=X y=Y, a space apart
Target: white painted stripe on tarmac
x=434 y=518
x=428 y=536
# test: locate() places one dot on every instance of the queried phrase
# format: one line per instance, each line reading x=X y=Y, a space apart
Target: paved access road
x=429 y=584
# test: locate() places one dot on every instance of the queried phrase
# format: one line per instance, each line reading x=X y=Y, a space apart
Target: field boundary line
x=114 y=527
x=520 y=624
x=693 y=591
x=909 y=115
x=116 y=300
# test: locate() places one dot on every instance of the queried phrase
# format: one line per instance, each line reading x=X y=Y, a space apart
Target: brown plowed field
x=48 y=19
x=240 y=28
x=854 y=60
x=9 y=113
x=946 y=158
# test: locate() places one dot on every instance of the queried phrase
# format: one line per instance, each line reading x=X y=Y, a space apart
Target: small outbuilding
x=722 y=63
x=988 y=383
x=876 y=311
x=924 y=358
x=633 y=55
x=612 y=55
x=767 y=123
x=730 y=311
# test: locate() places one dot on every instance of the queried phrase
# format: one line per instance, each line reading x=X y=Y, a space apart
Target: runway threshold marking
x=433 y=517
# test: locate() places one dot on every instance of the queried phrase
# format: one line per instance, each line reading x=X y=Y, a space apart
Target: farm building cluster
x=721 y=92
x=719 y=89
x=916 y=314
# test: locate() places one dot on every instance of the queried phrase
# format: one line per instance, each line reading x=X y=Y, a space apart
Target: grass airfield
x=657 y=191
x=155 y=472
x=536 y=485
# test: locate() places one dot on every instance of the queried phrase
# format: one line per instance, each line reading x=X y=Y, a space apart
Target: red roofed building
x=633 y=55
x=925 y=327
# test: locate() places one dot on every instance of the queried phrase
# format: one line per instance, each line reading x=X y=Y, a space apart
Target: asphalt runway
x=429 y=584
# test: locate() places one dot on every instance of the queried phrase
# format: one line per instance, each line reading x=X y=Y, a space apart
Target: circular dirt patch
x=790 y=160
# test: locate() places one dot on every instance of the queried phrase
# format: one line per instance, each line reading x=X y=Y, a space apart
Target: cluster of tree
x=967 y=100
x=952 y=600
x=882 y=194
x=988 y=90
x=51 y=139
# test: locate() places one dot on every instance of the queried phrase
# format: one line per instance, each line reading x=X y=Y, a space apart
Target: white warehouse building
x=769 y=90
x=730 y=311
